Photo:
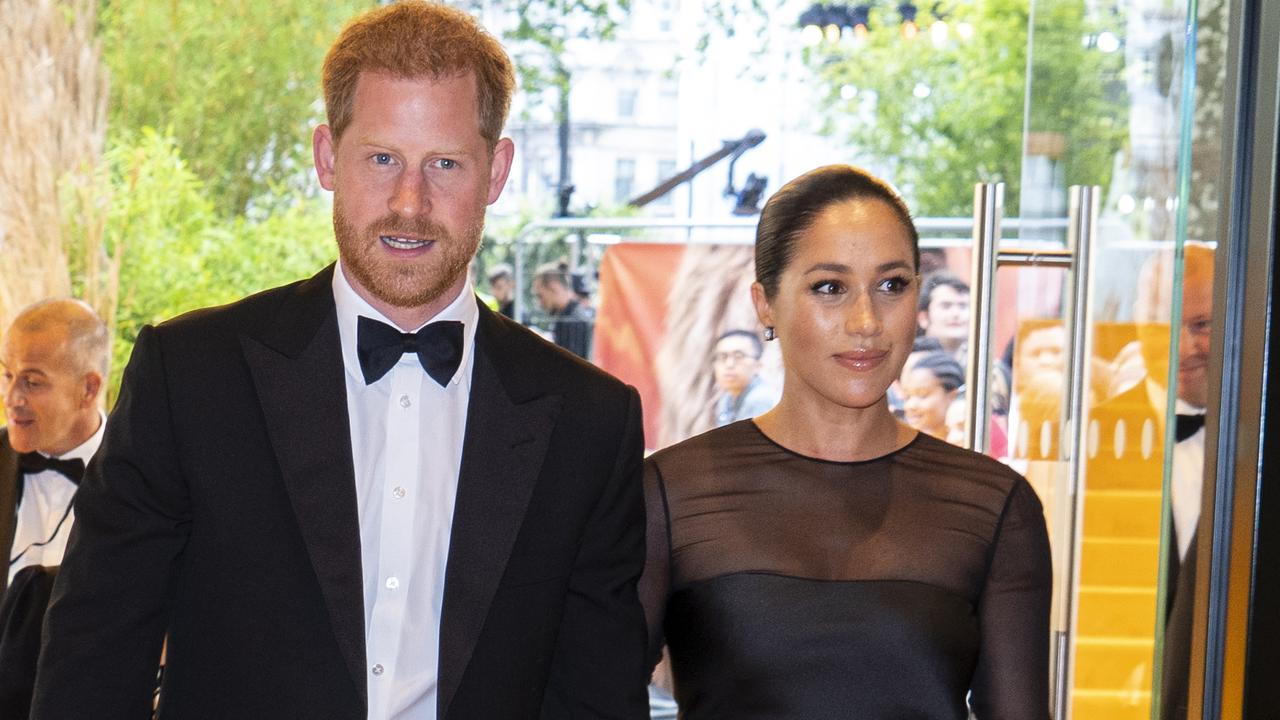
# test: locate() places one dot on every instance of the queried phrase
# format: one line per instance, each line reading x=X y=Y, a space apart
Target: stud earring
x=769 y=334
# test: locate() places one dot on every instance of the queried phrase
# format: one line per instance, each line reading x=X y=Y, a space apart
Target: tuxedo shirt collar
x=350 y=306
x=1158 y=396
x=85 y=450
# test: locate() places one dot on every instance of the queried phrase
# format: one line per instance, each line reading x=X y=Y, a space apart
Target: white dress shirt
x=406 y=441
x=46 y=499
x=1186 y=481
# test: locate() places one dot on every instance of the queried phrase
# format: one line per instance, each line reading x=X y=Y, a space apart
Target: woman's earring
x=769 y=334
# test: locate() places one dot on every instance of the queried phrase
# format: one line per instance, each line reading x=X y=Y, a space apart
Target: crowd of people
x=367 y=494
x=563 y=297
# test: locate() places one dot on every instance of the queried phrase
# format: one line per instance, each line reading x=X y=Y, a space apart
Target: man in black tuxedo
x=53 y=357
x=365 y=494
x=1144 y=406
x=1187 y=478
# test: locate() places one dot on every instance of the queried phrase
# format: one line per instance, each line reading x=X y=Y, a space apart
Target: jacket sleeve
x=599 y=669
x=108 y=614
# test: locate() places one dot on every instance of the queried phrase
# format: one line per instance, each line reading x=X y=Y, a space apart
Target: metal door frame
x=1232 y=668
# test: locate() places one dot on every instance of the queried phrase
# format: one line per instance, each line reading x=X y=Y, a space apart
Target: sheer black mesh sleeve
x=655 y=583
x=1011 y=680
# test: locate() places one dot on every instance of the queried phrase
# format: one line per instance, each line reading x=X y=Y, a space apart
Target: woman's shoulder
x=716 y=443
x=974 y=474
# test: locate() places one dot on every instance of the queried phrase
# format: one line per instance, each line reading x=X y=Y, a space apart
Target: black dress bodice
x=915 y=585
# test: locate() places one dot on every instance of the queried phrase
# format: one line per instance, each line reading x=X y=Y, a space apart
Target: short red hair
x=414 y=39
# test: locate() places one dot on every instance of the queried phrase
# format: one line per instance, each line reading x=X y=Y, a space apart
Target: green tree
x=943 y=115
x=236 y=83
x=212 y=196
x=180 y=254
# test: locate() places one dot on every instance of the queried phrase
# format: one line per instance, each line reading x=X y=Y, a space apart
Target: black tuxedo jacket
x=221 y=510
x=22 y=605
x=8 y=502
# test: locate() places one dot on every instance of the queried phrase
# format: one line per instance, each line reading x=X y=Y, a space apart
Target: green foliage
x=179 y=254
x=209 y=141
x=967 y=128
x=237 y=82
x=1078 y=92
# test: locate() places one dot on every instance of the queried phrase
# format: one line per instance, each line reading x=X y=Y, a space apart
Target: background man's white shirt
x=46 y=498
x=1186 y=482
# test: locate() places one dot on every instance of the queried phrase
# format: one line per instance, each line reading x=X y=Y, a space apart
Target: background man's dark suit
x=8 y=502
x=222 y=508
x=22 y=606
x=1175 y=666
x=16 y=634
x=1135 y=470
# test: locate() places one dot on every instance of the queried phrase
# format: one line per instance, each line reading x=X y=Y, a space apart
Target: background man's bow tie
x=1188 y=425
x=33 y=462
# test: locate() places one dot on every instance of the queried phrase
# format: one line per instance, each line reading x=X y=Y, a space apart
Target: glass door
x=1110 y=144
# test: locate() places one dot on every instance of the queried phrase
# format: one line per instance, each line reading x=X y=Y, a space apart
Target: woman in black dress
x=825 y=560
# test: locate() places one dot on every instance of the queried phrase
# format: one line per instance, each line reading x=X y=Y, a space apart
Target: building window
x=666 y=168
x=624 y=180
x=627 y=103
x=665 y=11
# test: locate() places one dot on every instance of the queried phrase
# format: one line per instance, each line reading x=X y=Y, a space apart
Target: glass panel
x=1118 y=115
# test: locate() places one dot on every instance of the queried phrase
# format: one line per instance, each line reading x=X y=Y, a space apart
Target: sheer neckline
x=794 y=453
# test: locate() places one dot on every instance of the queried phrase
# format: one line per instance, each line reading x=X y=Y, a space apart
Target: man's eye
x=382 y=159
x=447 y=164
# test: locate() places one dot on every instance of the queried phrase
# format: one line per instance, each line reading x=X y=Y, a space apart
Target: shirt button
x=404 y=401
x=377 y=669
x=393 y=583
x=398 y=493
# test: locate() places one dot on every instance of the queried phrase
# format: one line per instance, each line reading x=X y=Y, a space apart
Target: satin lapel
x=8 y=502
x=298 y=372
x=506 y=439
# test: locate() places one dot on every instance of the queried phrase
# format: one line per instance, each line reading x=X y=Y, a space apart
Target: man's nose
x=1202 y=342
x=1193 y=343
x=409 y=199
x=12 y=396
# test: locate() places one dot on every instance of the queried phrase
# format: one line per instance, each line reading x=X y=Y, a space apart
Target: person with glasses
x=736 y=364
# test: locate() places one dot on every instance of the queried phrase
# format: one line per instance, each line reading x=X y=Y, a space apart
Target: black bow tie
x=1188 y=425
x=380 y=346
x=33 y=462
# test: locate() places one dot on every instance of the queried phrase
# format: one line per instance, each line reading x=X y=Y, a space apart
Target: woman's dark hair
x=796 y=205
x=944 y=367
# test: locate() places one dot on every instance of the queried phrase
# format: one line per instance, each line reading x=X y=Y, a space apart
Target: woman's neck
x=832 y=432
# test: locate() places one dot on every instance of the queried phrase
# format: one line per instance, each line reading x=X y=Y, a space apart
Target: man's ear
x=503 y=155
x=922 y=319
x=323 y=148
x=92 y=387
